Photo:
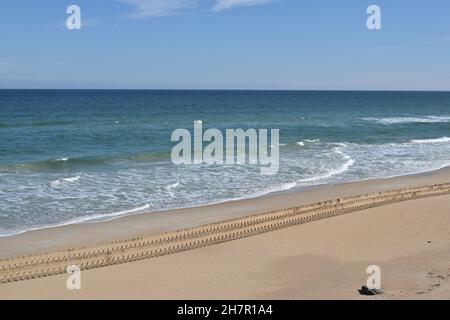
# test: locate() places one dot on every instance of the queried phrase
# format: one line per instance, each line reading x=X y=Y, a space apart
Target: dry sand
x=326 y=259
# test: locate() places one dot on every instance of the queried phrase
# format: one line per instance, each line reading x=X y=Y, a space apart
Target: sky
x=226 y=44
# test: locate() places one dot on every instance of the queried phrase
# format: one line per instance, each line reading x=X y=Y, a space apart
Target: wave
x=425 y=141
x=343 y=168
x=50 y=123
x=173 y=186
x=60 y=164
x=278 y=188
x=170 y=188
x=61 y=159
x=306 y=141
x=55 y=165
x=71 y=179
x=405 y=120
x=279 y=145
x=108 y=216
x=58 y=182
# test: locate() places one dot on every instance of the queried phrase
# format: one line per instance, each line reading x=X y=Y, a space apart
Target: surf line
x=231 y=150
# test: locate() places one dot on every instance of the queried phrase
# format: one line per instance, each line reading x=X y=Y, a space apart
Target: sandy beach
x=323 y=259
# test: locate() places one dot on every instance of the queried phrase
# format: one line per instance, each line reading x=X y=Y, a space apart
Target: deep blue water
x=68 y=156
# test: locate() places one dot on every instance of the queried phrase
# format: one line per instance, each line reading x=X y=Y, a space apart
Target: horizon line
x=261 y=90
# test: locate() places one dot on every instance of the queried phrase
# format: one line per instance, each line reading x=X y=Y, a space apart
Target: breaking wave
x=405 y=120
x=425 y=141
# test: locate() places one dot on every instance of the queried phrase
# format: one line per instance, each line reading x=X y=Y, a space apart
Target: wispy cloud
x=155 y=8
x=228 y=4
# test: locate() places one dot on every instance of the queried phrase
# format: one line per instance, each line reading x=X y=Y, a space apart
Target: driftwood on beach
x=54 y=263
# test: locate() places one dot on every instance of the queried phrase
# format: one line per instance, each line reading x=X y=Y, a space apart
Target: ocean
x=72 y=156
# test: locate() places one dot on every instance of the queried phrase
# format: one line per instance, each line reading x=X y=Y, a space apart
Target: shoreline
x=283 y=254
x=141 y=224
x=99 y=218
x=102 y=218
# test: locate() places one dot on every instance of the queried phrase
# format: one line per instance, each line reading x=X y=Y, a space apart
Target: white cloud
x=228 y=4
x=154 y=8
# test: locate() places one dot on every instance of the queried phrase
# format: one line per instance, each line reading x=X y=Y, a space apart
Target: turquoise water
x=79 y=156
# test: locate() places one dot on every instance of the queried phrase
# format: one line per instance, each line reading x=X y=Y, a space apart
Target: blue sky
x=226 y=44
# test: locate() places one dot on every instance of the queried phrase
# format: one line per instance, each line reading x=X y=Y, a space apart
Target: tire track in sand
x=54 y=263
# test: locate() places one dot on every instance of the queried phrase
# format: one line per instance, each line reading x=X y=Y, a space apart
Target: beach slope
x=324 y=259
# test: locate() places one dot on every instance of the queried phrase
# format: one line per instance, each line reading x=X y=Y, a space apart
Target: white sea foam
x=404 y=120
x=72 y=179
x=334 y=172
x=173 y=186
x=103 y=217
x=119 y=213
x=425 y=141
x=312 y=140
x=57 y=183
x=340 y=144
x=170 y=187
x=280 y=145
x=304 y=142
x=270 y=190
